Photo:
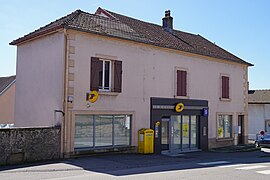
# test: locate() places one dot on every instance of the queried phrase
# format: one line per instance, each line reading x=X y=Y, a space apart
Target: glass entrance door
x=176 y=129
x=179 y=133
x=194 y=132
x=185 y=133
x=165 y=134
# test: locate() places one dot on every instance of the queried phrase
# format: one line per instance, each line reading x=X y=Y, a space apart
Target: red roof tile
x=119 y=26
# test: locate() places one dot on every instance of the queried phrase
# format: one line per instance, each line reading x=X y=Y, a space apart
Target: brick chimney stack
x=167 y=21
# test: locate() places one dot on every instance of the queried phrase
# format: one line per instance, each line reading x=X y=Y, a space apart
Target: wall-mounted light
x=70 y=99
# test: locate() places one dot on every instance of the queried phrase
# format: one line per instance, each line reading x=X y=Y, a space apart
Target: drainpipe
x=64 y=97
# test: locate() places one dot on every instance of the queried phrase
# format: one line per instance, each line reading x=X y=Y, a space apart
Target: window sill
x=107 y=93
x=225 y=99
x=181 y=97
x=224 y=139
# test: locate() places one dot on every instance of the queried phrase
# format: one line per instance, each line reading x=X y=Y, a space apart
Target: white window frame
x=102 y=88
x=94 y=135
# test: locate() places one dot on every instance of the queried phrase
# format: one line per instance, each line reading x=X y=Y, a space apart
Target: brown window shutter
x=117 y=76
x=225 y=87
x=94 y=78
x=184 y=83
x=181 y=83
x=179 y=90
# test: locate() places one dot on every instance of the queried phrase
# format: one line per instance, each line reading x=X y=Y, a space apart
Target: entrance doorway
x=241 y=139
x=179 y=133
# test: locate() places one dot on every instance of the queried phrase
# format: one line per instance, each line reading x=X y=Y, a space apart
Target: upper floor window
x=106 y=75
x=181 y=78
x=225 y=87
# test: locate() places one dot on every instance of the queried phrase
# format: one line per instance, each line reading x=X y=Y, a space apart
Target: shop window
x=122 y=130
x=224 y=126
x=181 y=77
x=84 y=128
x=225 y=87
x=103 y=130
x=95 y=131
x=106 y=75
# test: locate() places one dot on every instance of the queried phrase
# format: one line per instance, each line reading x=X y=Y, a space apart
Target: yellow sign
x=157 y=123
x=179 y=107
x=185 y=130
x=93 y=96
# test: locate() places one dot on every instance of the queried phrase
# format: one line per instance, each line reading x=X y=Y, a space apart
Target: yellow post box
x=146 y=141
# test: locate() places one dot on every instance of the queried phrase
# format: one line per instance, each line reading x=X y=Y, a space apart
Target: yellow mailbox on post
x=146 y=141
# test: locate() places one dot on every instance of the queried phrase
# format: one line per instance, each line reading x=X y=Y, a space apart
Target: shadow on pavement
x=132 y=164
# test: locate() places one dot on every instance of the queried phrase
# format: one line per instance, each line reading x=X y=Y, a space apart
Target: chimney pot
x=167 y=13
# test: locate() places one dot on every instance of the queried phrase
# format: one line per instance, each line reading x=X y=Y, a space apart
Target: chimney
x=167 y=21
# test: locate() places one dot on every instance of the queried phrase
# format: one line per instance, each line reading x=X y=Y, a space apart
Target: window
x=95 y=131
x=84 y=131
x=181 y=77
x=103 y=130
x=106 y=75
x=225 y=87
x=122 y=129
x=224 y=126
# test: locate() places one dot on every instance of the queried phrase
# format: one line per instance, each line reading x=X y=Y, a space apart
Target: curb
x=231 y=150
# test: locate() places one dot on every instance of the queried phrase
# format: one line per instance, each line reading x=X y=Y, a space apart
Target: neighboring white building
x=258 y=112
x=145 y=74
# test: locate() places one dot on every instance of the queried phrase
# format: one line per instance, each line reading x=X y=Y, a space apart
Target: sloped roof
x=119 y=26
x=5 y=82
x=259 y=96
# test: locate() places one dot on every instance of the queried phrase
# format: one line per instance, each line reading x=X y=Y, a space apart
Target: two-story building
x=189 y=90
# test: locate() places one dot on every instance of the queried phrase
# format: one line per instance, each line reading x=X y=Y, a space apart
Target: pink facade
x=40 y=65
x=54 y=74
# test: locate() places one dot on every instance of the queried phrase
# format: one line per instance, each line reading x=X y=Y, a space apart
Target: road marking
x=251 y=167
x=263 y=172
x=267 y=150
x=213 y=163
x=232 y=165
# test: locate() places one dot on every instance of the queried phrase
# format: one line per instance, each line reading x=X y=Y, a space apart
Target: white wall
x=40 y=65
x=257 y=115
x=150 y=72
x=256 y=119
x=267 y=111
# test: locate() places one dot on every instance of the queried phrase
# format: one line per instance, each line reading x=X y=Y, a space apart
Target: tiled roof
x=5 y=82
x=259 y=96
x=124 y=27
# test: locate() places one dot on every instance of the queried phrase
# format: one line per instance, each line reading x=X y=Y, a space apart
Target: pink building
x=190 y=91
x=7 y=100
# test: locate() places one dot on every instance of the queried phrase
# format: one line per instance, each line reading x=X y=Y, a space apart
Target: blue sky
x=240 y=26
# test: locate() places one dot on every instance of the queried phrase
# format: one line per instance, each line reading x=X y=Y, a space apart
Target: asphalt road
x=199 y=165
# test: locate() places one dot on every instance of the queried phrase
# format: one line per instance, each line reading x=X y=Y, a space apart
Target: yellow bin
x=146 y=141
